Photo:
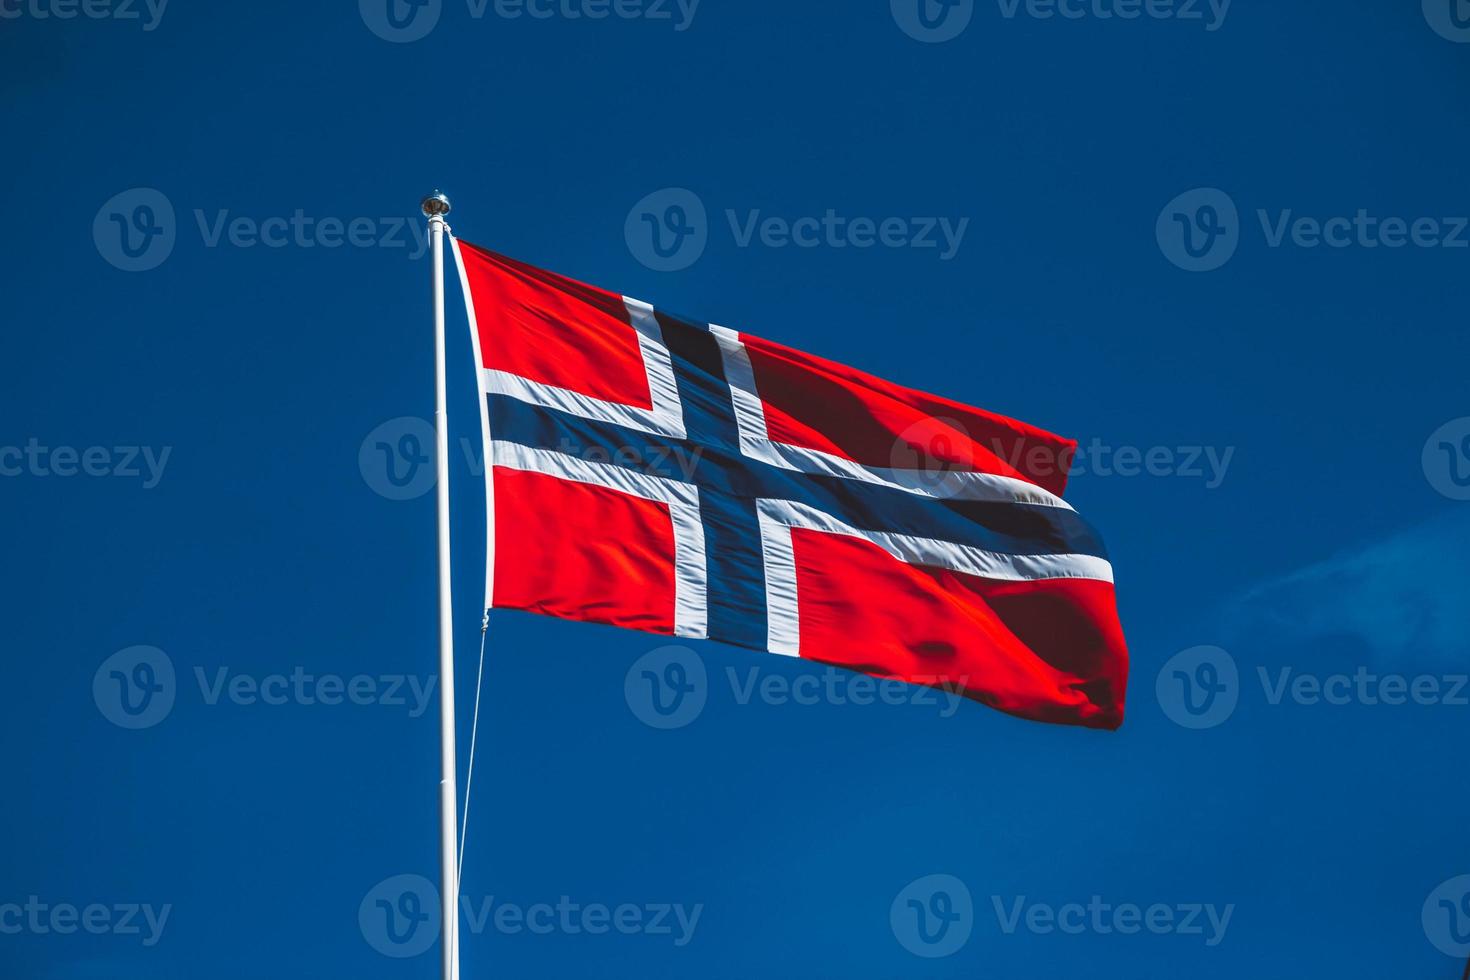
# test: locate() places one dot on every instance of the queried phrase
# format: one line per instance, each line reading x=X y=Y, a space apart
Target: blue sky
x=1221 y=245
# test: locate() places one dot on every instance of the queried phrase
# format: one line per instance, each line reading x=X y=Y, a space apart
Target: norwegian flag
x=688 y=479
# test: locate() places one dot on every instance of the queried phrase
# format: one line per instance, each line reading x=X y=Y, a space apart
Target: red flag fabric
x=689 y=479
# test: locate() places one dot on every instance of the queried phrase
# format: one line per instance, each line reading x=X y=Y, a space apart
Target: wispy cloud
x=1407 y=597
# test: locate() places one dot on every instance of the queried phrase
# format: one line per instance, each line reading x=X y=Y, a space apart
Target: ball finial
x=435 y=204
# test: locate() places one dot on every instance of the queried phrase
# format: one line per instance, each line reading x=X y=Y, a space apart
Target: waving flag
x=688 y=479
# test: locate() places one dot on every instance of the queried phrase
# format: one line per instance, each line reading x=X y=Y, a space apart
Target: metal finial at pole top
x=435 y=205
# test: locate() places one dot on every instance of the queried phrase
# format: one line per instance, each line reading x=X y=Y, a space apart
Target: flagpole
x=435 y=207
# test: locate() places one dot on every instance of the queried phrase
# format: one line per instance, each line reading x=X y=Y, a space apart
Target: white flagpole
x=435 y=207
